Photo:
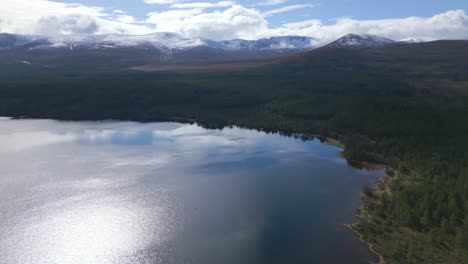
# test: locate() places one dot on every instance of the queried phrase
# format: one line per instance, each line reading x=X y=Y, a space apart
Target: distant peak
x=361 y=41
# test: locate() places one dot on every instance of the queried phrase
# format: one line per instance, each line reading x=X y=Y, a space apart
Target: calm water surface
x=120 y=192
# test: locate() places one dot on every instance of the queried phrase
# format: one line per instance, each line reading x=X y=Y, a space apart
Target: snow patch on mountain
x=157 y=40
x=412 y=40
x=274 y=43
x=361 y=41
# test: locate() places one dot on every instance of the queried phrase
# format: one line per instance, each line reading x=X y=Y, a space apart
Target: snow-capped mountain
x=10 y=41
x=360 y=41
x=152 y=48
x=74 y=42
x=411 y=40
x=162 y=48
x=288 y=42
x=159 y=41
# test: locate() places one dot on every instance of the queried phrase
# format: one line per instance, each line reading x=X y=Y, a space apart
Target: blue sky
x=248 y=19
x=326 y=10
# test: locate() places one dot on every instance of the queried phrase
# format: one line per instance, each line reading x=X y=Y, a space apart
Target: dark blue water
x=113 y=192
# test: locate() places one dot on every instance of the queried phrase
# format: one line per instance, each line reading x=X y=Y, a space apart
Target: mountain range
x=158 y=41
x=165 y=48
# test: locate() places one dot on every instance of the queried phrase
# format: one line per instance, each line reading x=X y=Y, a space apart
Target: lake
x=124 y=192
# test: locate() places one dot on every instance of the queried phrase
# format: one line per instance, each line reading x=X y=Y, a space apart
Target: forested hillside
x=404 y=105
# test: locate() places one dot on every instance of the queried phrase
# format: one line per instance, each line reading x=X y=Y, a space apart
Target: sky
x=245 y=19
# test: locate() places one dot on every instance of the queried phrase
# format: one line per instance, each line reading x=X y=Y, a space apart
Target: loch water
x=125 y=192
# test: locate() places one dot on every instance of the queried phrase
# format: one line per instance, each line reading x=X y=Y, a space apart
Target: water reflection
x=121 y=192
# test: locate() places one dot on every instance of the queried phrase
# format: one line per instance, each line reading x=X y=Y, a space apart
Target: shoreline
x=361 y=210
x=370 y=246
x=364 y=165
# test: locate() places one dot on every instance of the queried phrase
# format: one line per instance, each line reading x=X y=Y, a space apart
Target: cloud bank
x=48 y=17
x=218 y=21
x=448 y=25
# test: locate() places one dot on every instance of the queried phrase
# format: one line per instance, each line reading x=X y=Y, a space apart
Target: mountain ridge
x=170 y=48
x=163 y=40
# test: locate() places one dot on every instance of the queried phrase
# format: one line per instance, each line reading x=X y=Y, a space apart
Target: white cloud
x=234 y=22
x=47 y=17
x=448 y=25
x=171 y=21
x=73 y=23
x=285 y=9
x=126 y=19
x=161 y=2
x=272 y=2
x=204 y=4
x=229 y=22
